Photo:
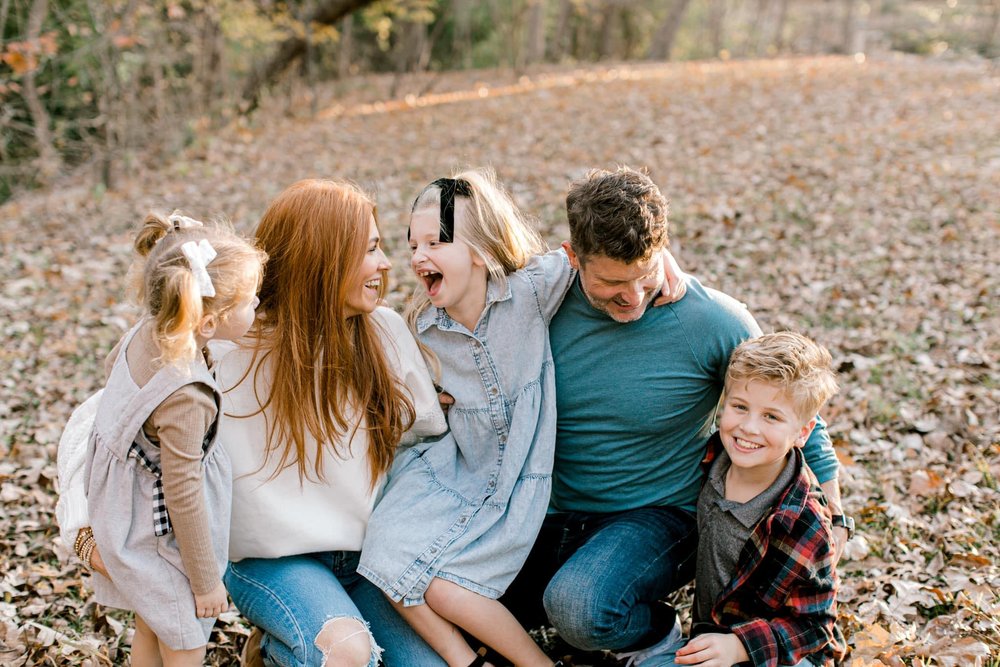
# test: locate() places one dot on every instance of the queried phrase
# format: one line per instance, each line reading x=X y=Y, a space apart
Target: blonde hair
x=802 y=368
x=492 y=226
x=324 y=361
x=166 y=287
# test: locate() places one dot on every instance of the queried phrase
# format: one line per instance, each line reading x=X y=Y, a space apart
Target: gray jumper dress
x=467 y=507
x=127 y=512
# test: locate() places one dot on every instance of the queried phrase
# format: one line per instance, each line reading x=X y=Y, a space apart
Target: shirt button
x=493 y=391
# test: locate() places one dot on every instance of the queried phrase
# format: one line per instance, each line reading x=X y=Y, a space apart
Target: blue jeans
x=291 y=598
x=602 y=573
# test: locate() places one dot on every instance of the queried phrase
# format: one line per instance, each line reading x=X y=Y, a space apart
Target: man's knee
x=346 y=642
x=580 y=613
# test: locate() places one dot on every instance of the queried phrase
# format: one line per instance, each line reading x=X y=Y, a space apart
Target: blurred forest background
x=833 y=163
x=108 y=82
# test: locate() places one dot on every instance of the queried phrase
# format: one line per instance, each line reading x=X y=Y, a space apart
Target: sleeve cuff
x=72 y=514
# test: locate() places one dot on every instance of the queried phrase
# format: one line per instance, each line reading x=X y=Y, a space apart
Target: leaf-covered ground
x=856 y=202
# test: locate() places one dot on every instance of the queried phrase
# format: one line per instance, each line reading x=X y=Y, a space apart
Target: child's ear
x=207 y=326
x=806 y=431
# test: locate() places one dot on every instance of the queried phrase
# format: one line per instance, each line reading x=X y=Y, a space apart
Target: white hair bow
x=199 y=256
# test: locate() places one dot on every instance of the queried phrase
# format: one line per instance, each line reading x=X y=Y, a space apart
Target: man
x=637 y=389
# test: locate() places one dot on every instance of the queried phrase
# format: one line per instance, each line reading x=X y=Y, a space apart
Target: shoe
x=668 y=644
x=250 y=655
x=480 y=658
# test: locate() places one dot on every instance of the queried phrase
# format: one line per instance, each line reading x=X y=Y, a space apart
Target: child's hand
x=211 y=604
x=97 y=563
x=445 y=399
x=712 y=650
x=675 y=285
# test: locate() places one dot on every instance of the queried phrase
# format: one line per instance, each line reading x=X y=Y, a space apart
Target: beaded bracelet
x=87 y=551
x=85 y=544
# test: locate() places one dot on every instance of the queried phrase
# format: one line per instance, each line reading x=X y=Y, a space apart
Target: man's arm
x=831 y=489
x=822 y=460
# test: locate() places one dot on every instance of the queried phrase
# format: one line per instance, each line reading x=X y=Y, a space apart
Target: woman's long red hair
x=328 y=368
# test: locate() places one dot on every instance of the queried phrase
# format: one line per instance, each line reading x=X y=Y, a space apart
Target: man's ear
x=574 y=259
x=806 y=431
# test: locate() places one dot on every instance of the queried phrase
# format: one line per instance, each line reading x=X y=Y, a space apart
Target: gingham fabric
x=161 y=518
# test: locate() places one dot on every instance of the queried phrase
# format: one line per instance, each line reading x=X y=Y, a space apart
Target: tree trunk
x=717 y=26
x=309 y=65
x=989 y=41
x=4 y=9
x=663 y=41
x=631 y=32
x=607 y=40
x=754 y=33
x=534 y=51
x=462 y=38
x=327 y=12
x=48 y=159
x=208 y=59
x=346 y=46
x=847 y=31
x=110 y=130
x=563 y=32
x=779 y=29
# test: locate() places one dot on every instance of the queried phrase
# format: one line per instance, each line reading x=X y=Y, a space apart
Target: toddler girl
x=460 y=514
x=158 y=490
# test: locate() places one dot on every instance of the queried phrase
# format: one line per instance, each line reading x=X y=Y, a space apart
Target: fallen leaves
x=858 y=203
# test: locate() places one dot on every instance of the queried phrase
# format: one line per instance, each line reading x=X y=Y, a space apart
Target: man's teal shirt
x=636 y=401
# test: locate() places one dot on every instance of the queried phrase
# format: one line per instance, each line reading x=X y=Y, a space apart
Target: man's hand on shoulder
x=712 y=650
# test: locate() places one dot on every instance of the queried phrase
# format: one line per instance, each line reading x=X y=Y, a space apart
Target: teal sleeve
x=819 y=453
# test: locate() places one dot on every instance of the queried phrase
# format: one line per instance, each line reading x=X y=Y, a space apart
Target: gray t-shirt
x=724 y=526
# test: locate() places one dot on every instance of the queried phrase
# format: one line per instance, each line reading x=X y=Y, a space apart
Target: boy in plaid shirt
x=766 y=584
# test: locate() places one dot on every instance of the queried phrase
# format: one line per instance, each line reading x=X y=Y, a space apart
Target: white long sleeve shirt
x=277 y=515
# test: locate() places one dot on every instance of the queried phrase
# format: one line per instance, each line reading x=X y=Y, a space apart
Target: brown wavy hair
x=621 y=215
x=328 y=367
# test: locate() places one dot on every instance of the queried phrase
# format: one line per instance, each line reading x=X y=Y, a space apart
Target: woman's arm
x=411 y=369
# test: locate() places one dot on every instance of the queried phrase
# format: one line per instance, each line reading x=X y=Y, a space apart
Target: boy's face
x=759 y=426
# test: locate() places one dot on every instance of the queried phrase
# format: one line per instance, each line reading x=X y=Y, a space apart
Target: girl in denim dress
x=459 y=514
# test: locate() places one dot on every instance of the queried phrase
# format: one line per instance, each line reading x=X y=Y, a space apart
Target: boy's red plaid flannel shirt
x=781 y=602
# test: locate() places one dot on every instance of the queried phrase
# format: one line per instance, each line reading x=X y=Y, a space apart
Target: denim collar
x=432 y=315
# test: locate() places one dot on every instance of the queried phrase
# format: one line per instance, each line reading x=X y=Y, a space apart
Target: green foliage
x=103 y=79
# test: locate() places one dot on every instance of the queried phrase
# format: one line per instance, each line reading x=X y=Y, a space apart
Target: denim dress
x=467 y=507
